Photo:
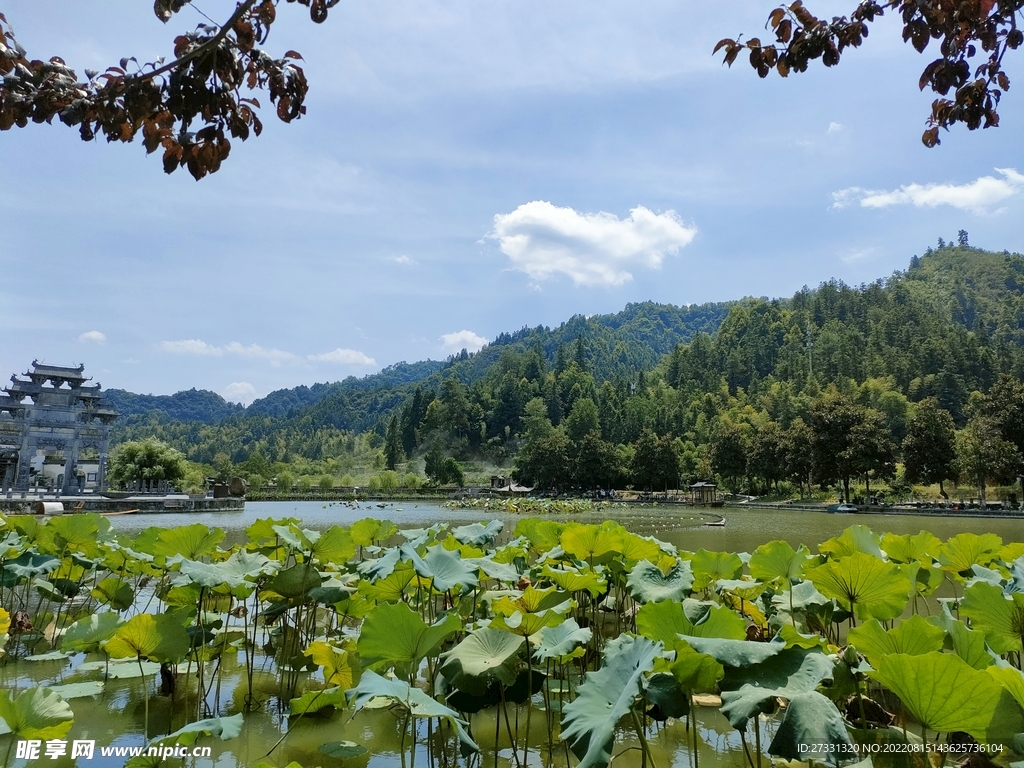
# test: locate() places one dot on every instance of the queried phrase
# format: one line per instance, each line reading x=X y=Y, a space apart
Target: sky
x=468 y=167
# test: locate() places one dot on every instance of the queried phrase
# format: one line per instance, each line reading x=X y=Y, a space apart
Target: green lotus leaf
x=542 y=534
x=968 y=644
x=78 y=690
x=605 y=696
x=30 y=565
x=666 y=621
x=532 y=600
x=736 y=653
x=966 y=549
x=666 y=697
x=648 y=584
x=921 y=548
x=855 y=539
x=503 y=572
x=159 y=638
x=343 y=750
x=79 y=533
x=1000 y=617
x=777 y=561
x=292 y=537
x=295 y=582
x=223 y=727
x=796 y=639
x=709 y=567
x=191 y=541
x=588 y=579
x=418 y=537
x=36 y=713
x=381 y=567
x=316 y=701
x=694 y=671
x=263 y=531
x=239 y=570
x=636 y=548
x=914 y=637
x=527 y=624
x=114 y=592
x=946 y=694
x=49 y=656
x=483 y=655
x=802 y=596
x=810 y=719
x=119 y=670
x=413 y=700
x=753 y=680
x=1012 y=679
x=391 y=588
x=1016 y=580
x=864 y=584
x=370 y=531
x=924 y=579
x=340 y=664
x=478 y=534
x=559 y=640
x=591 y=543
x=447 y=569
x=745 y=589
x=334 y=546
x=395 y=637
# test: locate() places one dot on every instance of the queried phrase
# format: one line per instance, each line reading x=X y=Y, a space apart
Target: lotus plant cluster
x=554 y=644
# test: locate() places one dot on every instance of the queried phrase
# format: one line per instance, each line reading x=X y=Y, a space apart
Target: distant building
x=704 y=494
x=47 y=418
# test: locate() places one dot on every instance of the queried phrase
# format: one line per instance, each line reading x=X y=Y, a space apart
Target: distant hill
x=193 y=405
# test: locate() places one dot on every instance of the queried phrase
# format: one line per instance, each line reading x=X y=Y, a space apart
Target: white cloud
x=853 y=255
x=834 y=127
x=239 y=392
x=344 y=357
x=978 y=196
x=92 y=337
x=455 y=342
x=190 y=347
x=199 y=347
x=403 y=259
x=592 y=249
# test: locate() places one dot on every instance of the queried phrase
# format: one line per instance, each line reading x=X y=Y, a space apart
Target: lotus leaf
x=921 y=548
x=666 y=621
x=736 y=653
x=49 y=656
x=317 y=701
x=811 y=719
x=120 y=670
x=418 y=537
x=191 y=541
x=343 y=750
x=751 y=687
x=340 y=665
x=78 y=533
x=334 y=546
x=795 y=639
x=967 y=549
x=29 y=566
x=159 y=638
x=492 y=569
x=36 y=713
x=560 y=640
x=666 y=696
x=381 y=567
x=5 y=625
x=709 y=567
x=416 y=702
x=390 y=588
x=864 y=584
x=571 y=579
x=946 y=694
x=694 y=671
x=746 y=589
x=636 y=548
x=263 y=530
x=295 y=582
x=478 y=534
x=778 y=561
x=532 y=600
x=223 y=727
x=914 y=637
x=394 y=636
x=607 y=694
x=648 y=584
x=1012 y=679
x=78 y=690
x=591 y=543
x=968 y=644
x=481 y=656
x=370 y=531
x=1000 y=617
x=855 y=539
x=238 y=571
x=447 y=569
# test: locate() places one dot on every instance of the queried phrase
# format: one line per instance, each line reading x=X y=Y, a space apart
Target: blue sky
x=468 y=167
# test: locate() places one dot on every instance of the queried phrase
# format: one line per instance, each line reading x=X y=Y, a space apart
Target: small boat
x=118 y=512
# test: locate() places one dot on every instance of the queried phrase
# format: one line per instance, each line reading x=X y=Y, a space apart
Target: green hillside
x=601 y=400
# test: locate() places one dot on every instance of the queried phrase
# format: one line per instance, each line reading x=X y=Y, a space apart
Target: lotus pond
x=516 y=642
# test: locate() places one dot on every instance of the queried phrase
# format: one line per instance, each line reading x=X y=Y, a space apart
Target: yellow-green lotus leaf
x=36 y=713
x=864 y=584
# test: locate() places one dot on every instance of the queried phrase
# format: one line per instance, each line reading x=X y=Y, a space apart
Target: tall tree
x=833 y=419
x=596 y=462
x=393 y=444
x=729 y=454
x=982 y=455
x=766 y=456
x=655 y=463
x=929 y=449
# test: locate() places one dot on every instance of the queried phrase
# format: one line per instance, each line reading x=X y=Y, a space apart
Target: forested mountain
x=656 y=393
x=199 y=405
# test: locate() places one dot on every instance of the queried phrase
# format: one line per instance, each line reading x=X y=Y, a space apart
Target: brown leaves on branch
x=964 y=29
x=190 y=108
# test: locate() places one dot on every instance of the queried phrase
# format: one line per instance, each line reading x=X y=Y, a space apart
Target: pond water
x=116 y=717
